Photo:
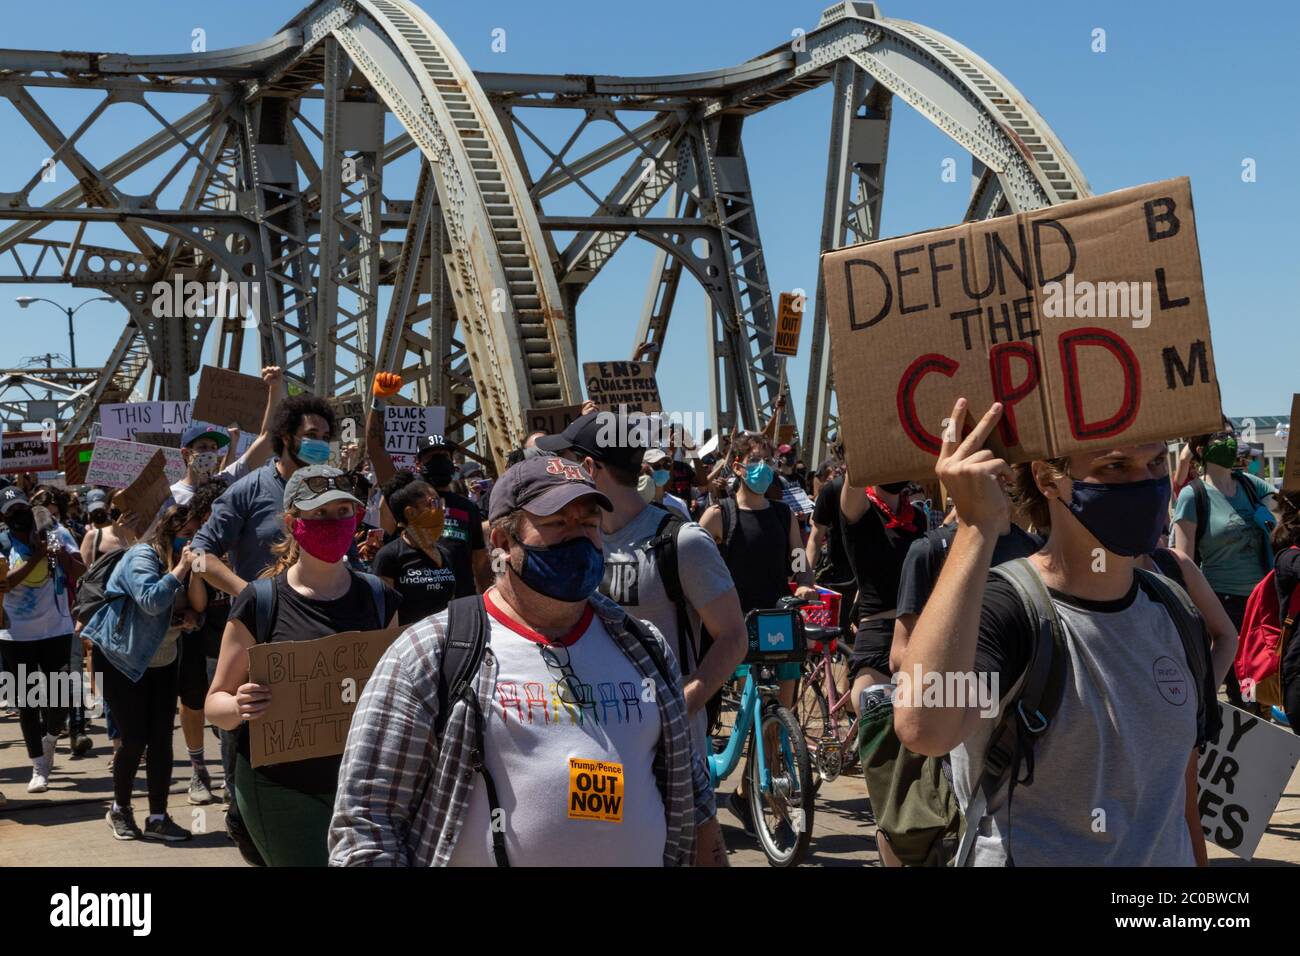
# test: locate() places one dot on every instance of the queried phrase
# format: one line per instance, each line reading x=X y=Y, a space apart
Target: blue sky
x=1182 y=89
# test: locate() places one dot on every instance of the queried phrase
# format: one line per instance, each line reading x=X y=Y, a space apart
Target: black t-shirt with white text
x=462 y=534
x=426 y=588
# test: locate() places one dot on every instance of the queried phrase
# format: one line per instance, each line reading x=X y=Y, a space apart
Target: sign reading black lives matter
x=611 y=384
x=1087 y=320
x=1241 y=777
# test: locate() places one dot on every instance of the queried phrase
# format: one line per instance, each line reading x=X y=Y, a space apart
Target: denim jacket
x=129 y=631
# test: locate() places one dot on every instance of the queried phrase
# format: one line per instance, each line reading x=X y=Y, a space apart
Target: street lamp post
x=25 y=300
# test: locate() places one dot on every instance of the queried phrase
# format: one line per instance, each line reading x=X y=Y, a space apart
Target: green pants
x=288 y=827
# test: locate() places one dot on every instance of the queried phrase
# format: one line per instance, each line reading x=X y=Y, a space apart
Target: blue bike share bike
x=779 y=780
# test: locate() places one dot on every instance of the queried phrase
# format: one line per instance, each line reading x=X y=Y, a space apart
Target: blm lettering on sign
x=1086 y=320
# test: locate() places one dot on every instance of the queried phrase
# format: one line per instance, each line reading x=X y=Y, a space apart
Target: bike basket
x=775 y=637
x=826 y=613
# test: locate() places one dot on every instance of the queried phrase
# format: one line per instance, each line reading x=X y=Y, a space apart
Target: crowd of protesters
x=598 y=564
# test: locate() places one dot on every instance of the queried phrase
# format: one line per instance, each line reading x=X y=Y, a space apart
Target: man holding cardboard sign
x=1103 y=683
x=1086 y=320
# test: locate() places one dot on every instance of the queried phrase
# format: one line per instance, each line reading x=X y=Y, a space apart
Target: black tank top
x=758 y=555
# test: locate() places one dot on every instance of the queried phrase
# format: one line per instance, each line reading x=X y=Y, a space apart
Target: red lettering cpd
x=1128 y=407
x=923 y=366
x=1000 y=357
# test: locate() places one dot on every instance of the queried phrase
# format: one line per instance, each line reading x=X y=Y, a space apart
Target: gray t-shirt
x=632 y=580
x=1109 y=774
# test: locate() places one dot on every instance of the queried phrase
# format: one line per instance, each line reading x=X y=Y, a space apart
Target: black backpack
x=468 y=629
x=265 y=601
x=92 y=587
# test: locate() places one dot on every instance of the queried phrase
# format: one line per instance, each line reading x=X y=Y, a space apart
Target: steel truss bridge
x=484 y=279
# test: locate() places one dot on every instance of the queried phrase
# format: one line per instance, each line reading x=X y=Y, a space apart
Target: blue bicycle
x=779 y=781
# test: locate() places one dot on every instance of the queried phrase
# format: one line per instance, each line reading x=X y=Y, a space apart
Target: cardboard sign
x=122 y=420
x=27 y=451
x=349 y=407
x=115 y=463
x=551 y=420
x=784 y=435
x=226 y=397
x=1087 y=320
x=76 y=459
x=1291 y=473
x=1241 y=777
x=406 y=425
x=148 y=493
x=315 y=686
x=161 y=439
x=789 y=319
x=611 y=384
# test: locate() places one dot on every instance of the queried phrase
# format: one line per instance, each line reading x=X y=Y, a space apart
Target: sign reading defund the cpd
x=1087 y=320
x=1241 y=777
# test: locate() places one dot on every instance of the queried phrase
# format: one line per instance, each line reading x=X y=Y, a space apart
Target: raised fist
x=386 y=384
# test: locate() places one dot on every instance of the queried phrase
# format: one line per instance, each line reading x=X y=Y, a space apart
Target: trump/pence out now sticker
x=595 y=790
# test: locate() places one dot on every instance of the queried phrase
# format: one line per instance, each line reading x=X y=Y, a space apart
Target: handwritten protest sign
x=1087 y=320
x=611 y=384
x=116 y=463
x=315 y=686
x=1291 y=475
x=76 y=459
x=161 y=439
x=1241 y=777
x=551 y=420
x=226 y=397
x=27 y=451
x=148 y=493
x=124 y=419
x=406 y=425
x=789 y=319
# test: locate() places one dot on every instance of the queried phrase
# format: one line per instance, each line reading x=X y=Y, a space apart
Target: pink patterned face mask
x=327 y=539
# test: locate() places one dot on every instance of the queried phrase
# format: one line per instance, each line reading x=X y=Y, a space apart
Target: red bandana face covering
x=906 y=517
x=327 y=538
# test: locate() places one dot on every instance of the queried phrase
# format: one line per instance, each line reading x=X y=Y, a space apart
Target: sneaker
x=200 y=786
x=122 y=824
x=40 y=775
x=80 y=745
x=165 y=830
x=739 y=807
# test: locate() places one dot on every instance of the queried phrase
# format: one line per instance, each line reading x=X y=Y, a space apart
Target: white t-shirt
x=37 y=607
x=575 y=783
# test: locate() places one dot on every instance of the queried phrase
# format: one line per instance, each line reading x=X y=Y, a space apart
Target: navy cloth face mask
x=569 y=571
x=1126 y=517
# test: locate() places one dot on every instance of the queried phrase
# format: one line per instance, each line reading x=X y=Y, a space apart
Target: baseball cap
x=784 y=450
x=12 y=497
x=655 y=455
x=317 y=485
x=542 y=486
x=96 y=500
x=611 y=438
x=196 y=430
x=436 y=443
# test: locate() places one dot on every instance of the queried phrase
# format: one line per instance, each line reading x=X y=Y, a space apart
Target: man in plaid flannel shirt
x=587 y=744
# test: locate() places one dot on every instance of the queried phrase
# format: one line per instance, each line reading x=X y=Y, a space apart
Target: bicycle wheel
x=783 y=817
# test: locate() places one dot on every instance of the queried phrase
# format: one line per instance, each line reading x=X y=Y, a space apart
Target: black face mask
x=21 y=521
x=438 y=471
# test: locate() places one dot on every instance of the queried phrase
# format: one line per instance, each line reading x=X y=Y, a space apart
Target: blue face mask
x=569 y=571
x=661 y=477
x=312 y=451
x=759 y=477
x=1127 y=518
